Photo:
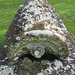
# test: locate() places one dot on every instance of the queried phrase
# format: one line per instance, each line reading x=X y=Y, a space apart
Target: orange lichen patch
x=14 y=35
x=21 y=36
x=34 y=38
x=11 y=43
x=41 y=35
x=29 y=29
x=20 y=31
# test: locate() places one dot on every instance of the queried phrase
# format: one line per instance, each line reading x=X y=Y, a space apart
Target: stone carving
x=38 y=43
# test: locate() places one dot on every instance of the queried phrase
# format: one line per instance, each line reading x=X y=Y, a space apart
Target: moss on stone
x=47 y=44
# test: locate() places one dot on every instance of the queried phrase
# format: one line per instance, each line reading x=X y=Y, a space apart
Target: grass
x=8 y=8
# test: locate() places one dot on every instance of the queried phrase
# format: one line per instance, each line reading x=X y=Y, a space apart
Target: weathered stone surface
x=38 y=43
x=32 y=30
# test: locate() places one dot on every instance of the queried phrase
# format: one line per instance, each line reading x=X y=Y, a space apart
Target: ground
x=8 y=8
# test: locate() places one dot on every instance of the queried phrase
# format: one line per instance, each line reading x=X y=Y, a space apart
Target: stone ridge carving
x=35 y=31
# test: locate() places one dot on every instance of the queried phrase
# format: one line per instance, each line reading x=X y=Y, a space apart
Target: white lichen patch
x=69 y=59
x=6 y=70
x=45 y=32
x=39 y=53
x=17 y=54
x=18 y=38
x=73 y=66
x=3 y=60
x=15 y=59
x=73 y=72
x=5 y=46
x=38 y=32
x=35 y=10
x=50 y=69
x=41 y=0
x=17 y=45
x=74 y=54
x=27 y=26
x=60 y=37
x=57 y=65
x=67 y=67
x=21 y=6
x=36 y=53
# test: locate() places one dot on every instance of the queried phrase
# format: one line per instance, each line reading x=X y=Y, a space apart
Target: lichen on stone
x=37 y=46
x=36 y=31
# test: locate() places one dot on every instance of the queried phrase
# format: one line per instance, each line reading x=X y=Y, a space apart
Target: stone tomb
x=38 y=43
